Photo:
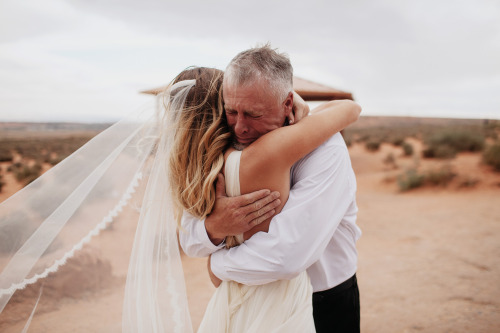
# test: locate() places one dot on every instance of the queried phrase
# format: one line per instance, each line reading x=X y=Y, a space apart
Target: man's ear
x=288 y=107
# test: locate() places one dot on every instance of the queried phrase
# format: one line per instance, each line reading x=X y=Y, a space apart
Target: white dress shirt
x=316 y=230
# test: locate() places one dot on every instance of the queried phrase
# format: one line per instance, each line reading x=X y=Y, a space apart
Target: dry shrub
x=412 y=179
x=440 y=177
x=5 y=155
x=397 y=141
x=25 y=173
x=439 y=152
x=467 y=182
x=491 y=128
x=409 y=180
x=2 y=183
x=13 y=235
x=491 y=156
x=407 y=149
x=47 y=149
x=372 y=145
x=447 y=143
x=390 y=161
x=348 y=139
x=14 y=166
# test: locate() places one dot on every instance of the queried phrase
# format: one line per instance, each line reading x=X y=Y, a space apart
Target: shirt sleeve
x=194 y=239
x=324 y=188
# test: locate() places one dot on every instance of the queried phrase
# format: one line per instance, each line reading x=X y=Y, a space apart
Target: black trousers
x=337 y=309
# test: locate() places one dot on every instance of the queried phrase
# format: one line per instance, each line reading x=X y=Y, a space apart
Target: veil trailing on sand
x=45 y=224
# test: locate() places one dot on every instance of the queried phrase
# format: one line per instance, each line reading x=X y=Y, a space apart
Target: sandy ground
x=429 y=259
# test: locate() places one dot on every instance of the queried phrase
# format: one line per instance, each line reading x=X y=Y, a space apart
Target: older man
x=316 y=230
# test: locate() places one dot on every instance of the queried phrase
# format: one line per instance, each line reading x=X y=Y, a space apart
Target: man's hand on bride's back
x=236 y=215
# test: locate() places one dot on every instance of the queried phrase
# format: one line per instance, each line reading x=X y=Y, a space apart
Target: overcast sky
x=86 y=60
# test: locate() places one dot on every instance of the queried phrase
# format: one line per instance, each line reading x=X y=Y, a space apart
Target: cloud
x=396 y=57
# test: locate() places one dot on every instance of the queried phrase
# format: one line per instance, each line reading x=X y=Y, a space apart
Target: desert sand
x=429 y=259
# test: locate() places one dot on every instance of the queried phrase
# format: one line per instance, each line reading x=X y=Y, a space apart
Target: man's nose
x=240 y=127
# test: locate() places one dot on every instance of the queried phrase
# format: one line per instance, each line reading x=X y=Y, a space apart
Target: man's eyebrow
x=253 y=112
x=249 y=112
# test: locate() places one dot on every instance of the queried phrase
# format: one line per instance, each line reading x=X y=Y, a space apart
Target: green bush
x=407 y=149
x=410 y=179
x=491 y=156
x=372 y=145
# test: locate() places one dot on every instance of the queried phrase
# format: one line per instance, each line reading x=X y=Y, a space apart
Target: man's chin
x=239 y=146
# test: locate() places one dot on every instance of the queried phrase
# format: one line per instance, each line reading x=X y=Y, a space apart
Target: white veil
x=49 y=221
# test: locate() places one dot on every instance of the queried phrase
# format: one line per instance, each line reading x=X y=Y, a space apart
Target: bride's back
x=253 y=175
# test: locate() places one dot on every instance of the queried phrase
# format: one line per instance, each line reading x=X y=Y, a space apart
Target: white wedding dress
x=280 y=306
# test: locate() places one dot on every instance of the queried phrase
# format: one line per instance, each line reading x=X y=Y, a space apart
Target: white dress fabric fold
x=280 y=306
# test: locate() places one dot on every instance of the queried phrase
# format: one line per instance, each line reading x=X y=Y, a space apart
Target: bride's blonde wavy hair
x=201 y=137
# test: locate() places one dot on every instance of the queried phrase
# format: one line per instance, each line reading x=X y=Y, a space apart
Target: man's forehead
x=250 y=108
x=249 y=104
x=257 y=86
x=249 y=98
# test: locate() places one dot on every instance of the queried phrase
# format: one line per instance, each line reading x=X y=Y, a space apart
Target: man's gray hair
x=265 y=63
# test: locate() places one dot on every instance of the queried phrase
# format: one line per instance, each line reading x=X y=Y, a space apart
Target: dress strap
x=232 y=174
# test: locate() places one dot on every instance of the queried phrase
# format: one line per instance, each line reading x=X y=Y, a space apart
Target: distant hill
x=398 y=122
x=25 y=129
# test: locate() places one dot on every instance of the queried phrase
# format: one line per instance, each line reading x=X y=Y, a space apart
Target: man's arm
x=194 y=239
x=322 y=194
x=230 y=216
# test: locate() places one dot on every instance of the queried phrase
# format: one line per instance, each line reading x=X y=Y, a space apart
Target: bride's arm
x=266 y=163
x=281 y=148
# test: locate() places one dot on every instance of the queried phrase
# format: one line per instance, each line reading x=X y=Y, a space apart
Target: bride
x=182 y=152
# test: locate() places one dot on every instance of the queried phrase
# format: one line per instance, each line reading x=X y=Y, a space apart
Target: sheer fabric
x=45 y=226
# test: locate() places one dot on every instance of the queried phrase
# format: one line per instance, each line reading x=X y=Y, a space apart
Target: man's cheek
x=230 y=122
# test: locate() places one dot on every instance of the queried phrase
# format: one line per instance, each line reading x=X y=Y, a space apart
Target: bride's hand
x=215 y=280
x=300 y=109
